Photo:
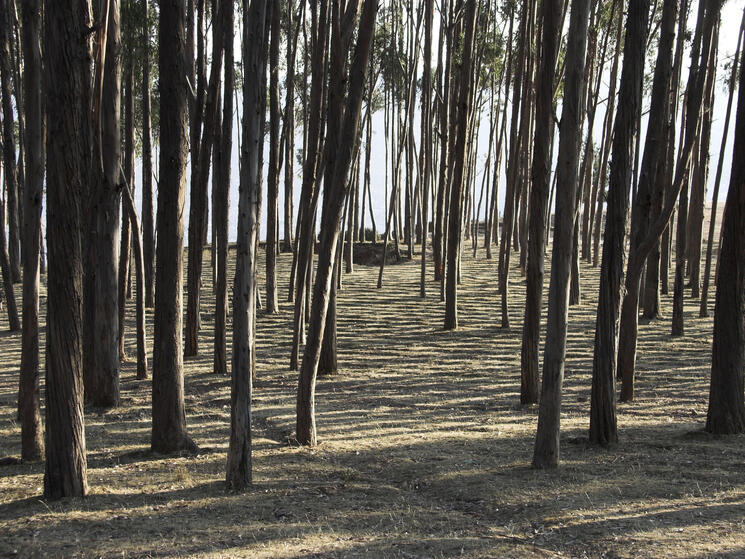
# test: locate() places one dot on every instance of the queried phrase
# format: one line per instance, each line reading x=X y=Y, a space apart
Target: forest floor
x=424 y=450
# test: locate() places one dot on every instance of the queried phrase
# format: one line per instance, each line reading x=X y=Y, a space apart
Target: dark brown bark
x=541 y=175
x=32 y=443
x=603 y=395
x=546 y=452
x=223 y=154
x=239 y=472
x=426 y=141
x=290 y=125
x=9 y=150
x=169 y=417
x=726 y=414
x=102 y=384
x=67 y=93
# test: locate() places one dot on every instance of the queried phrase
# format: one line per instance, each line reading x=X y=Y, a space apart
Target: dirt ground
x=424 y=449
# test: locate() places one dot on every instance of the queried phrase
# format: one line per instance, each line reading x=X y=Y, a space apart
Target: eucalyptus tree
x=67 y=90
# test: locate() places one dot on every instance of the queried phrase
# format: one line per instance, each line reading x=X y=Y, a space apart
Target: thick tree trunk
x=726 y=413
x=169 y=416
x=546 y=452
x=67 y=89
x=541 y=176
x=603 y=395
x=244 y=301
x=32 y=442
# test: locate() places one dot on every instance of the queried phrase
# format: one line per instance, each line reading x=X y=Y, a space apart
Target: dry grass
x=424 y=450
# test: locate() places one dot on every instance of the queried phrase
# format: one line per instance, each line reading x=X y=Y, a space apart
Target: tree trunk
x=67 y=84
x=32 y=442
x=641 y=213
x=244 y=301
x=290 y=125
x=102 y=390
x=169 y=416
x=272 y=215
x=726 y=414
x=198 y=197
x=220 y=212
x=333 y=206
x=704 y=308
x=147 y=166
x=541 y=176
x=546 y=452
x=9 y=150
x=455 y=214
x=129 y=173
x=603 y=395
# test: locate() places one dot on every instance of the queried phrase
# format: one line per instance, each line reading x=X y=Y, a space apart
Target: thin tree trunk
x=147 y=166
x=546 y=452
x=603 y=395
x=272 y=215
x=32 y=442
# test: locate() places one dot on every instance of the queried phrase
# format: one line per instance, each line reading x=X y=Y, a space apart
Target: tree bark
x=603 y=394
x=239 y=470
x=272 y=215
x=32 y=442
x=67 y=83
x=546 y=452
x=169 y=417
x=726 y=414
x=336 y=193
x=541 y=176
x=147 y=166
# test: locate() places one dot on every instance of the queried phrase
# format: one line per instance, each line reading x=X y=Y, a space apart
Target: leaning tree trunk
x=603 y=394
x=336 y=192
x=244 y=300
x=198 y=198
x=68 y=153
x=32 y=442
x=646 y=192
x=726 y=414
x=550 y=22
x=546 y=452
x=704 y=308
x=169 y=416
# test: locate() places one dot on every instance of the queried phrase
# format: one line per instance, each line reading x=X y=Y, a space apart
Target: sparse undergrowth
x=424 y=450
